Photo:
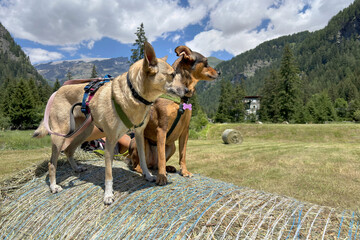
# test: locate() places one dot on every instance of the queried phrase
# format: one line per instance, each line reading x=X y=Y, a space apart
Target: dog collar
x=135 y=94
x=124 y=118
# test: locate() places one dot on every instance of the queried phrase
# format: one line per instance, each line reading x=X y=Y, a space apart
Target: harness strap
x=182 y=107
x=178 y=116
x=122 y=115
x=72 y=132
x=91 y=88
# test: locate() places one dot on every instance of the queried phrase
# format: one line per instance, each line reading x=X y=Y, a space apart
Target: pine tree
x=223 y=112
x=22 y=108
x=321 y=108
x=9 y=86
x=35 y=91
x=138 y=52
x=44 y=92
x=56 y=85
x=341 y=107
x=289 y=94
x=270 y=108
x=195 y=105
x=68 y=75
x=237 y=106
x=94 y=73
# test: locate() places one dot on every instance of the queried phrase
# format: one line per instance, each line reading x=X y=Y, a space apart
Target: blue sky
x=55 y=30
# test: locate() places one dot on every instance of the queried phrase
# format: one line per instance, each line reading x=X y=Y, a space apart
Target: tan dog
x=191 y=67
x=150 y=78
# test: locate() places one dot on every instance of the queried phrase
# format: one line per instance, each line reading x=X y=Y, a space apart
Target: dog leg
x=161 y=138
x=70 y=150
x=139 y=137
x=70 y=156
x=170 y=150
x=57 y=142
x=182 y=154
x=109 y=154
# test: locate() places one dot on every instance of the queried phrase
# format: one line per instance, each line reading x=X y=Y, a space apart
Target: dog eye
x=173 y=74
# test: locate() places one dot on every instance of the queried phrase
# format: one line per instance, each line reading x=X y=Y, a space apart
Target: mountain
x=24 y=92
x=213 y=61
x=82 y=68
x=13 y=61
x=328 y=60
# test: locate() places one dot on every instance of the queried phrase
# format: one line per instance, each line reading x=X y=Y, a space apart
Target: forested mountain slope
x=24 y=91
x=328 y=60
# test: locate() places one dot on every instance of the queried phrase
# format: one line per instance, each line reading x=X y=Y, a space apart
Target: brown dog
x=149 y=78
x=191 y=67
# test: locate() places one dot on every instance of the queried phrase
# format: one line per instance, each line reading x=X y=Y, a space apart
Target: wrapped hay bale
x=232 y=136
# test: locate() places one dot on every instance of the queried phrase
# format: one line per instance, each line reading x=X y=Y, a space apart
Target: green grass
x=21 y=140
x=18 y=150
x=314 y=163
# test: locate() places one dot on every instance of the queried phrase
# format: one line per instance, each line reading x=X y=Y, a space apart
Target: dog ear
x=164 y=58
x=149 y=55
x=184 y=51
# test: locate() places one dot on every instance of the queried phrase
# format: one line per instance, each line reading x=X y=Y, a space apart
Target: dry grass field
x=314 y=163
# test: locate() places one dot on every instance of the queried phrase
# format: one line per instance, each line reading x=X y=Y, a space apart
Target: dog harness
x=182 y=107
x=89 y=91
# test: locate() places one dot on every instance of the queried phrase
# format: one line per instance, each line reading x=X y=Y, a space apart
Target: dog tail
x=40 y=131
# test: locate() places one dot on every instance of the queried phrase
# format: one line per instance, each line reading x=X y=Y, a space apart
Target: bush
x=199 y=121
x=357 y=116
x=5 y=122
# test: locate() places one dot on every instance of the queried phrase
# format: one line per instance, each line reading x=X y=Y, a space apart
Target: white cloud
x=176 y=38
x=227 y=24
x=38 y=55
x=231 y=22
x=64 y=22
x=90 y=44
x=69 y=49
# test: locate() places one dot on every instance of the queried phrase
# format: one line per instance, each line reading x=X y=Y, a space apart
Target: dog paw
x=55 y=188
x=186 y=173
x=80 y=169
x=161 y=179
x=170 y=169
x=108 y=199
x=150 y=178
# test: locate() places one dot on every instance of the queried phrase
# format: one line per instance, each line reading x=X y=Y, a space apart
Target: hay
x=232 y=136
x=195 y=208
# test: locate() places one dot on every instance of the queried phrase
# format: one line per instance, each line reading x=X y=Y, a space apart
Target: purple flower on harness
x=187 y=106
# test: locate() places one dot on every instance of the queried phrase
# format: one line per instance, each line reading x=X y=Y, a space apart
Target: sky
x=56 y=30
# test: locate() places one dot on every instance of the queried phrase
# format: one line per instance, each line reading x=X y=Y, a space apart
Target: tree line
x=22 y=103
x=284 y=97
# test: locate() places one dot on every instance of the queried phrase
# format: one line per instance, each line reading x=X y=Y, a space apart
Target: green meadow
x=314 y=163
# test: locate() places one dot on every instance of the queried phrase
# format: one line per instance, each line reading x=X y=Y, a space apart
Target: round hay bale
x=232 y=136
x=186 y=208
